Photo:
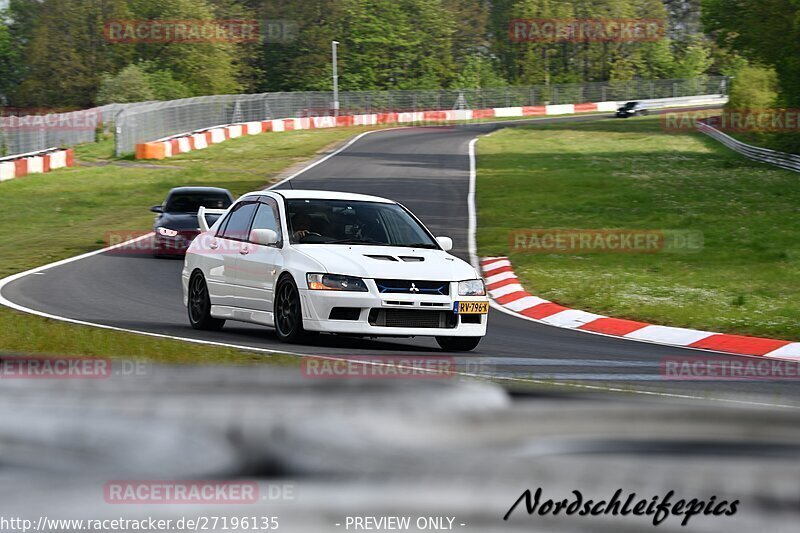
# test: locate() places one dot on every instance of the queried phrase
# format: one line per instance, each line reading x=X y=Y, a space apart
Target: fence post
x=118 y=120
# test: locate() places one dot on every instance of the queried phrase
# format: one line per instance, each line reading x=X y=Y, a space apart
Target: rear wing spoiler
x=201 y=216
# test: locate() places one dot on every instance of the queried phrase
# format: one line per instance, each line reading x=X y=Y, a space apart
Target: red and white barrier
x=35 y=163
x=506 y=290
x=562 y=109
x=503 y=112
x=198 y=140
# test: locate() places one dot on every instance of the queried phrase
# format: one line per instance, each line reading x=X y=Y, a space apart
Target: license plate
x=472 y=308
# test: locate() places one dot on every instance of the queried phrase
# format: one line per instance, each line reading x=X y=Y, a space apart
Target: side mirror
x=445 y=242
x=157 y=209
x=264 y=237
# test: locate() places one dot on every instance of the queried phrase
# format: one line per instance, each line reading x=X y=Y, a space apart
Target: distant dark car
x=631 y=109
x=176 y=223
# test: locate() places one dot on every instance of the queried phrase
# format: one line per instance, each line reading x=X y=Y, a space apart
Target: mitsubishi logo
x=413 y=288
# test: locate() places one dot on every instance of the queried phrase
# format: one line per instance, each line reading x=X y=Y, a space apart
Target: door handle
x=214 y=245
x=244 y=250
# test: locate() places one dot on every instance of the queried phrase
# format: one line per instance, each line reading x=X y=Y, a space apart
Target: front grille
x=407 y=318
x=405 y=286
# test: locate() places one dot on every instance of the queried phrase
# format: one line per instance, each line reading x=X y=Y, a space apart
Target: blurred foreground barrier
x=189 y=442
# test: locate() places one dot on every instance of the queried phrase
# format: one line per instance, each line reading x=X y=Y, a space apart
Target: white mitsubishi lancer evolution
x=321 y=261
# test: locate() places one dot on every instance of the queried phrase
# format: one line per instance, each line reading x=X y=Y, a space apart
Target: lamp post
x=335 y=80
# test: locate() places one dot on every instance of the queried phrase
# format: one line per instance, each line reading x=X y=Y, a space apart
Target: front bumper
x=177 y=245
x=366 y=312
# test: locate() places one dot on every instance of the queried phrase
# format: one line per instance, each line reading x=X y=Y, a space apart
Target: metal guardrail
x=147 y=122
x=763 y=155
x=28 y=154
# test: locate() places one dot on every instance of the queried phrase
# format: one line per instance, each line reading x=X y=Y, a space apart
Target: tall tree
x=67 y=53
x=9 y=62
x=204 y=67
x=764 y=30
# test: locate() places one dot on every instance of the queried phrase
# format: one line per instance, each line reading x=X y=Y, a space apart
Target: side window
x=267 y=218
x=237 y=226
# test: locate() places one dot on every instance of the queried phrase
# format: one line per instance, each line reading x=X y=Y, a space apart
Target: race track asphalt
x=426 y=169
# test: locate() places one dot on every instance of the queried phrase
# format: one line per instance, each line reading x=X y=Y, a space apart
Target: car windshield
x=354 y=222
x=631 y=105
x=190 y=202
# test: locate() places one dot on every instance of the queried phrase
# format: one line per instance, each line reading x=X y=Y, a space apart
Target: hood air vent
x=382 y=257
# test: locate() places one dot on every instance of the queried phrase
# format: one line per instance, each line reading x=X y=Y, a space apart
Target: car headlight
x=335 y=282
x=166 y=232
x=471 y=287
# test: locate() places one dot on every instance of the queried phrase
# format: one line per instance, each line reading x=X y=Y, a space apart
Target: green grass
x=47 y=217
x=101 y=150
x=630 y=175
x=34 y=335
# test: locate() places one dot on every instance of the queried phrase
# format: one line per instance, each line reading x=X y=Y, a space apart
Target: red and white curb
x=39 y=162
x=506 y=290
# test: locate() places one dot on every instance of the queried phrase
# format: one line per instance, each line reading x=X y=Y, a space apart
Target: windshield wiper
x=379 y=243
x=429 y=245
x=358 y=241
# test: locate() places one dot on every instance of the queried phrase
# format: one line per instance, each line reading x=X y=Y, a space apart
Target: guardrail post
x=118 y=132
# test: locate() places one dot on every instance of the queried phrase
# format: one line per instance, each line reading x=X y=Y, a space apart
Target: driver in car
x=301 y=224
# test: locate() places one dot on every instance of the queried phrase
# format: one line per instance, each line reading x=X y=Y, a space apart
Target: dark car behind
x=176 y=225
x=631 y=109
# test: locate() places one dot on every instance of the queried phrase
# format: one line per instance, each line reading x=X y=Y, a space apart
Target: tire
x=199 y=305
x=288 y=313
x=458 y=344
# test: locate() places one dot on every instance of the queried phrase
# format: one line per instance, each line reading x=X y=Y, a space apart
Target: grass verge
x=631 y=175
